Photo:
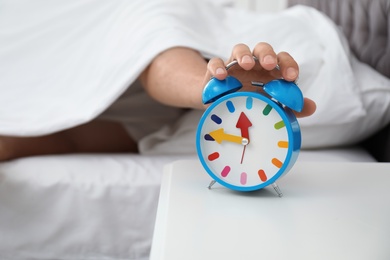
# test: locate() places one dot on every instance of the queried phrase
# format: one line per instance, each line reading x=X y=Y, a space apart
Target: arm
x=177 y=76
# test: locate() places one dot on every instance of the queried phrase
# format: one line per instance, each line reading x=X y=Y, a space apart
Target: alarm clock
x=247 y=140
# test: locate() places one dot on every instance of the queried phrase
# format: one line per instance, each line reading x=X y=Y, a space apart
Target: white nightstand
x=328 y=211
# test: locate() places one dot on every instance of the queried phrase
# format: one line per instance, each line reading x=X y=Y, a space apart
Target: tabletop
x=328 y=211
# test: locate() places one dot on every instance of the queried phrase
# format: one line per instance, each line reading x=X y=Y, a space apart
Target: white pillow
x=374 y=90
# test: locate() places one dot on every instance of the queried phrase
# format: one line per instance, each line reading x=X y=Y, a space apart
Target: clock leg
x=277 y=189
x=212 y=183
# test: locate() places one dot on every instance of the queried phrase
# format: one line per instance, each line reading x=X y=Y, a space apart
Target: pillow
x=374 y=89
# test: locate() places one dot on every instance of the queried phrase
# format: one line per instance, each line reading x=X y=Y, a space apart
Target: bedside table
x=328 y=211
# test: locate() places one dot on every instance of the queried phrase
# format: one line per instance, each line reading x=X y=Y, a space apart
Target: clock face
x=246 y=141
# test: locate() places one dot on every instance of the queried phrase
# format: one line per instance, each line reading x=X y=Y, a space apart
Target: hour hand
x=219 y=135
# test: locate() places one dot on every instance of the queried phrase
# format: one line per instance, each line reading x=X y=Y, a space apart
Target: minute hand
x=244 y=123
x=219 y=135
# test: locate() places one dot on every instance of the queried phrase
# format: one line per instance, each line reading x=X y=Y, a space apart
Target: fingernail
x=268 y=59
x=246 y=59
x=292 y=73
x=219 y=71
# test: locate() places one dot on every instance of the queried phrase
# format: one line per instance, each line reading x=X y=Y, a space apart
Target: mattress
x=89 y=206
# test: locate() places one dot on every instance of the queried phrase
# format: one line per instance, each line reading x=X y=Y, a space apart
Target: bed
x=89 y=206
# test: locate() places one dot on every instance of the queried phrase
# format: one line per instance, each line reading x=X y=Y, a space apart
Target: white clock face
x=244 y=141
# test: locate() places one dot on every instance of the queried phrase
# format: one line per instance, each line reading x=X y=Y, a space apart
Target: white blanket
x=64 y=62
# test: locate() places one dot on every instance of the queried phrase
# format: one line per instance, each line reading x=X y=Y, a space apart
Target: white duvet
x=64 y=62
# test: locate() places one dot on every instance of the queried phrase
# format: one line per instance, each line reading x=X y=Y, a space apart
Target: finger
x=243 y=55
x=309 y=107
x=216 y=68
x=266 y=55
x=288 y=66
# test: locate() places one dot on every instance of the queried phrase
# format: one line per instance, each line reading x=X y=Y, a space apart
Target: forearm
x=176 y=78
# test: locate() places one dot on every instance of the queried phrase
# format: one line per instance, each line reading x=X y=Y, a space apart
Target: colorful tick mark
x=216 y=119
x=267 y=110
x=225 y=171
x=230 y=106
x=262 y=175
x=283 y=144
x=277 y=162
x=243 y=178
x=208 y=137
x=249 y=103
x=213 y=156
x=279 y=125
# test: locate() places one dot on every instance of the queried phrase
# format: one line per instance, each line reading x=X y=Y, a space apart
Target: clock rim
x=293 y=130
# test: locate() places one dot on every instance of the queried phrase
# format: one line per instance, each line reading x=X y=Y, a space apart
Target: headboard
x=366 y=25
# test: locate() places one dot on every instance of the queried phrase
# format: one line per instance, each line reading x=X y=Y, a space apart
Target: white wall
x=262 y=5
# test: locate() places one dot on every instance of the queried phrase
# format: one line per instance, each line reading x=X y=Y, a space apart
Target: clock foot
x=277 y=189
x=211 y=183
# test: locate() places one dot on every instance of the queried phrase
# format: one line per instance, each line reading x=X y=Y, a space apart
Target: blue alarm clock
x=248 y=140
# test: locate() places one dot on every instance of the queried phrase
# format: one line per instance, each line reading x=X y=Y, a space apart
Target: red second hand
x=243 y=152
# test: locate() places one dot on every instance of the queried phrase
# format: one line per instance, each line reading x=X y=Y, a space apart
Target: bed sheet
x=88 y=206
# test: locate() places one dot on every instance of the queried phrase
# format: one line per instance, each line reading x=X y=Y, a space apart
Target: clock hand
x=244 y=123
x=243 y=153
x=219 y=135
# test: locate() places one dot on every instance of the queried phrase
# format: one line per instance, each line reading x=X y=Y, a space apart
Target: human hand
x=249 y=70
